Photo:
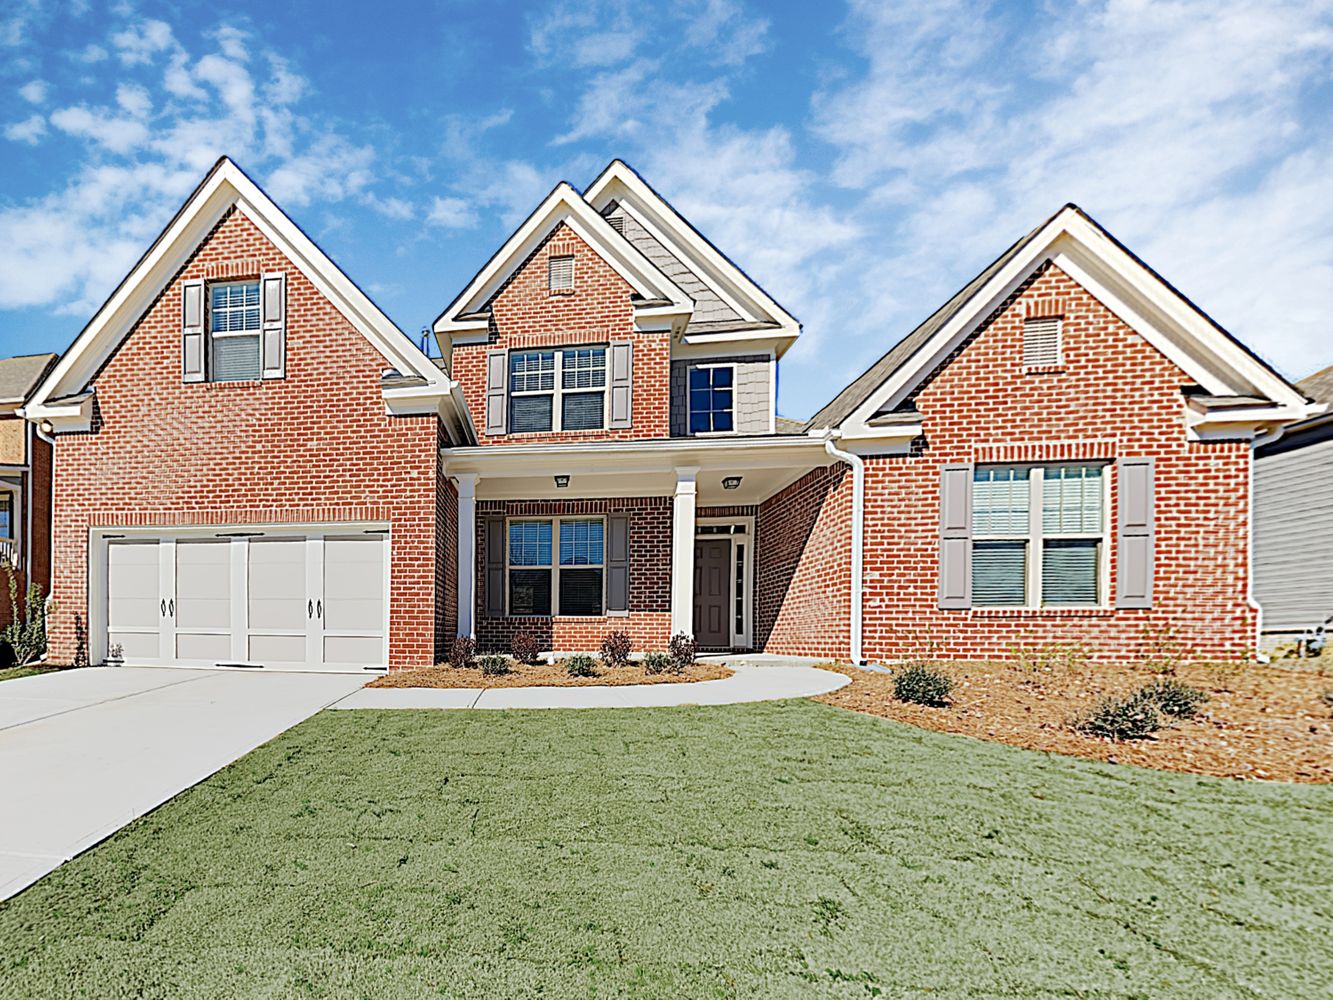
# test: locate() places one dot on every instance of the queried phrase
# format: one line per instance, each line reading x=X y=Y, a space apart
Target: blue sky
x=861 y=161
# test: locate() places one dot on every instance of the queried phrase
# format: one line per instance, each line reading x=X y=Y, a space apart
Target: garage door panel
x=277 y=584
x=133 y=575
x=354 y=586
x=214 y=648
x=286 y=649
x=136 y=646
x=203 y=585
x=353 y=650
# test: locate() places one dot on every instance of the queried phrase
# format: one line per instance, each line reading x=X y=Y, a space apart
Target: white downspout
x=858 y=539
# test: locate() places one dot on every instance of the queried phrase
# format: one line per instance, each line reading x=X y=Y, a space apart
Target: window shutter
x=1041 y=342
x=617 y=562
x=621 y=384
x=495 y=567
x=273 y=323
x=497 y=380
x=956 y=536
x=1134 y=542
x=192 y=331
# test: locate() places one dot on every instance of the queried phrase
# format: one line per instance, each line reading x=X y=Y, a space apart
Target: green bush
x=1174 y=698
x=581 y=665
x=1132 y=718
x=920 y=684
x=658 y=663
x=493 y=664
x=616 y=648
x=683 y=650
x=26 y=631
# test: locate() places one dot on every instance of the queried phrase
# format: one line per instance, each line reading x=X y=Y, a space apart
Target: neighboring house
x=1293 y=521
x=255 y=467
x=25 y=483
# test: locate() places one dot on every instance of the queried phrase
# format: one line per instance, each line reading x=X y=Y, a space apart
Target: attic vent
x=560 y=273
x=1041 y=341
x=617 y=223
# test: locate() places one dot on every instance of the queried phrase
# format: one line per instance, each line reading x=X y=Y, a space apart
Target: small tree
x=26 y=631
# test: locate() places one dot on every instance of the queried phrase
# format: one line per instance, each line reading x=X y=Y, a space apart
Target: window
x=711 y=398
x=6 y=516
x=568 y=575
x=557 y=390
x=1041 y=341
x=1052 y=560
x=560 y=273
x=233 y=331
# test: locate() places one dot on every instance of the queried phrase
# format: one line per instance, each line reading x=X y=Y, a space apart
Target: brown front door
x=712 y=592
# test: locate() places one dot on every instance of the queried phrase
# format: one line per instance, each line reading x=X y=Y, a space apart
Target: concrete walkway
x=748 y=683
x=83 y=752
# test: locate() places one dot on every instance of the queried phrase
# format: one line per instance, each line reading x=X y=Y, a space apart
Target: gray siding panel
x=751 y=394
x=1293 y=537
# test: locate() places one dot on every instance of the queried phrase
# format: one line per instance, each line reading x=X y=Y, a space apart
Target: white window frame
x=1037 y=536
x=257 y=333
x=742 y=535
x=558 y=390
x=554 y=566
x=13 y=542
x=689 y=411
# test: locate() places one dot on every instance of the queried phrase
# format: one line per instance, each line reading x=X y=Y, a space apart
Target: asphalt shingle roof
x=19 y=376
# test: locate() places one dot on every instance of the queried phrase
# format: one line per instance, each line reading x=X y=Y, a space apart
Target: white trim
x=683 y=506
x=744 y=639
x=555 y=565
x=467 y=553
x=856 y=627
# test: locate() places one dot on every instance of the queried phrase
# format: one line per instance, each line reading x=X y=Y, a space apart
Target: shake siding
x=750 y=393
x=1293 y=537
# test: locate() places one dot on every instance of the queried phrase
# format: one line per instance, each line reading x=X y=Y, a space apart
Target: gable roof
x=1076 y=243
x=19 y=375
x=1318 y=386
x=63 y=393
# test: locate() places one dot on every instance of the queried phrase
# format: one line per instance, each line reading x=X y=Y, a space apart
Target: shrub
x=523 y=647
x=1162 y=651
x=683 y=651
x=922 y=685
x=461 y=652
x=1132 y=718
x=581 y=665
x=616 y=648
x=1174 y=698
x=658 y=663
x=26 y=631
x=493 y=664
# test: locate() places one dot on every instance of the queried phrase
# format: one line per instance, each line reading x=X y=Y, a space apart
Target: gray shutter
x=495 y=567
x=617 y=562
x=1134 y=533
x=497 y=380
x=192 y=331
x=273 y=320
x=621 y=384
x=956 y=536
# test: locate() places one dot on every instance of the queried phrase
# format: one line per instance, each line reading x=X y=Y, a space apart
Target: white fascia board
x=763 y=341
x=618 y=181
x=1123 y=285
x=63 y=417
x=563 y=204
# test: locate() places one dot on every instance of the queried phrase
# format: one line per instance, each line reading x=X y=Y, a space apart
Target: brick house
x=254 y=467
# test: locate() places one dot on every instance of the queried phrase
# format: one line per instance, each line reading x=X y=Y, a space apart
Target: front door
x=712 y=592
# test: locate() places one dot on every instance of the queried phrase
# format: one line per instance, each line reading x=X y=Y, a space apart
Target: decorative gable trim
x=225 y=187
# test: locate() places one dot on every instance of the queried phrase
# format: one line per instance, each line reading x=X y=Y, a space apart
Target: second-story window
x=233 y=331
x=557 y=390
x=711 y=399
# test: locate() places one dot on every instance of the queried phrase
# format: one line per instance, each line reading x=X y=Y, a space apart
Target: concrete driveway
x=83 y=752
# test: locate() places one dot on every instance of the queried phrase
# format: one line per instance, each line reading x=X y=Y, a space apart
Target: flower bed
x=544 y=675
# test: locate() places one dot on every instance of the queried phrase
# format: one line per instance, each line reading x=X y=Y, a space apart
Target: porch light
x=731 y=482
x=561 y=482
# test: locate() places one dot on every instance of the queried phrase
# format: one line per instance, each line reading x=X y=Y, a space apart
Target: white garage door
x=310 y=601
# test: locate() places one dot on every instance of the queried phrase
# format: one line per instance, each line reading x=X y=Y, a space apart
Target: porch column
x=682 y=551
x=467 y=552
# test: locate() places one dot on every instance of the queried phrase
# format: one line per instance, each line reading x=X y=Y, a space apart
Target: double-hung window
x=1038 y=535
x=712 y=399
x=557 y=390
x=6 y=516
x=233 y=331
x=557 y=564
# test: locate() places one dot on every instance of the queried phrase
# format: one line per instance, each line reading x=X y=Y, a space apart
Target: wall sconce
x=561 y=482
x=731 y=482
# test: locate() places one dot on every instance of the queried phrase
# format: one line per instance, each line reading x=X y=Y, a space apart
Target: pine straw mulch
x=1259 y=721
x=542 y=675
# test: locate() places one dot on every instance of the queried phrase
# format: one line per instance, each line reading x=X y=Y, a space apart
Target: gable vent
x=560 y=273
x=617 y=223
x=1041 y=341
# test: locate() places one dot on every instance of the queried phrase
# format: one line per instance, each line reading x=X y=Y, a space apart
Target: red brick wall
x=649 y=618
x=598 y=310
x=34 y=509
x=1117 y=395
x=315 y=446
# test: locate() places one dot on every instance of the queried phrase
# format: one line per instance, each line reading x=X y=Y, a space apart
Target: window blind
x=1000 y=501
x=999 y=573
x=1072 y=498
x=1069 y=571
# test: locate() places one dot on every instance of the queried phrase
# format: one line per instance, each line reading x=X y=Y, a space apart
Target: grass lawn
x=780 y=850
x=14 y=673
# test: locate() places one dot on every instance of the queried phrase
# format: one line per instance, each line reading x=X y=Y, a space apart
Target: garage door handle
x=310 y=609
x=319 y=608
x=164 y=607
x=171 y=607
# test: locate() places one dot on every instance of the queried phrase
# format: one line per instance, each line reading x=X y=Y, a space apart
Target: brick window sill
x=1043 y=612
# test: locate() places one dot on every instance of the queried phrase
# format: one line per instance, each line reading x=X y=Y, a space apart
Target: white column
x=682 y=551
x=467 y=551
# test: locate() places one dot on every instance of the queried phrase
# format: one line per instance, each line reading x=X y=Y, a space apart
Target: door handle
x=171 y=607
x=319 y=608
x=164 y=607
x=309 y=609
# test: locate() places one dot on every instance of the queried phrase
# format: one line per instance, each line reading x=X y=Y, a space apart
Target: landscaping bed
x=1258 y=722
x=544 y=675
x=14 y=673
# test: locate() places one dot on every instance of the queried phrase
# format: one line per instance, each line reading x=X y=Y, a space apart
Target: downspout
x=858 y=539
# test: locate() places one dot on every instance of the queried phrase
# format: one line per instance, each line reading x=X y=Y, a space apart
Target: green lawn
x=14 y=673
x=783 y=850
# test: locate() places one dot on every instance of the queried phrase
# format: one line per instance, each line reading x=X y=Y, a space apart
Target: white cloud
x=134 y=100
x=391 y=208
x=117 y=134
x=34 y=92
x=90 y=53
x=140 y=43
x=30 y=130
x=451 y=213
x=587 y=33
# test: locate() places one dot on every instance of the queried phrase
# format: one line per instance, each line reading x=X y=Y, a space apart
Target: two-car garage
x=272 y=597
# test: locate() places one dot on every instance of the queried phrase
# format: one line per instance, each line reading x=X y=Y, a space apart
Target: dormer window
x=1041 y=341
x=560 y=273
x=233 y=331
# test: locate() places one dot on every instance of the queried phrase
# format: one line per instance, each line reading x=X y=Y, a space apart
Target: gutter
x=858 y=541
